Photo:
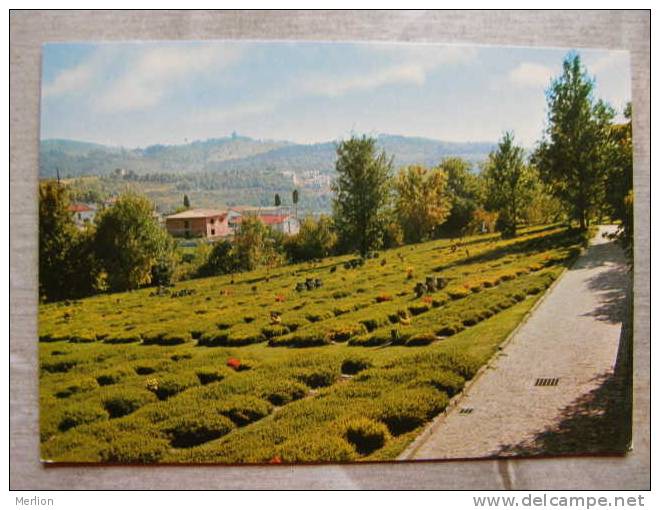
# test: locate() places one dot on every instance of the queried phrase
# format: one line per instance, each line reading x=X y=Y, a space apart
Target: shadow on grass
x=562 y=239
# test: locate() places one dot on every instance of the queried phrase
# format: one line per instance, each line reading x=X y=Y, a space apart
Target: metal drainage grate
x=466 y=410
x=547 y=381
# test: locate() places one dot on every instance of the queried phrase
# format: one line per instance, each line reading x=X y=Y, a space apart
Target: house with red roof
x=82 y=213
x=279 y=221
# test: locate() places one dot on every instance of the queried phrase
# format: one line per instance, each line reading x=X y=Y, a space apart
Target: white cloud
x=406 y=64
x=70 y=80
x=530 y=74
x=338 y=86
x=150 y=76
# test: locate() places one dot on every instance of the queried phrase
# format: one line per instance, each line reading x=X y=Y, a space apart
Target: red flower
x=275 y=460
x=279 y=298
x=234 y=363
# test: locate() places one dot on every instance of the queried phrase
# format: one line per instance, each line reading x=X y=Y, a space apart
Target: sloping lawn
x=339 y=360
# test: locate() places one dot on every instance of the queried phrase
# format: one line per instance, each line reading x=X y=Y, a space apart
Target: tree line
x=581 y=169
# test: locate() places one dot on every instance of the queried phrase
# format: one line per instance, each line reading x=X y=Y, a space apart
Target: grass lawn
x=336 y=360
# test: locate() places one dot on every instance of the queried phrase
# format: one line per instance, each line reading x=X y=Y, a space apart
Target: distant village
x=202 y=223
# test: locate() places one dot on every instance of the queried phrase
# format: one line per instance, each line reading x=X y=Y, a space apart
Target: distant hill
x=236 y=153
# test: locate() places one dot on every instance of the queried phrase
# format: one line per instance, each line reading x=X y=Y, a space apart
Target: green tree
x=129 y=243
x=467 y=196
x=619 y=177
x=422 y=202
x=57 y=239
x=362 y=193
x=508 y=180
x=295 y=196
x=572 y=154
x=256 y=245
x=315 y=239
x=186 y=202
x=221 y=260
x=542 y=206
x=278 y=200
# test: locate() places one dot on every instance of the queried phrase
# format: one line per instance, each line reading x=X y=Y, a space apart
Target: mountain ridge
x=237 y=153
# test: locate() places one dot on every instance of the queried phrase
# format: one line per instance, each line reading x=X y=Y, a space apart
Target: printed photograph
x=263 y=252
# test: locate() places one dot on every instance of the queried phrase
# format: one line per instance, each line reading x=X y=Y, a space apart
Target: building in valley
x=207 y=223
x=82 y=213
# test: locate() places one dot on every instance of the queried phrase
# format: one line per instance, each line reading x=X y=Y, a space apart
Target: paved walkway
x=573 y=336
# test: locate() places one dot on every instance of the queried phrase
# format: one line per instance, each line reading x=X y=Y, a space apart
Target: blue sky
x=137 y=94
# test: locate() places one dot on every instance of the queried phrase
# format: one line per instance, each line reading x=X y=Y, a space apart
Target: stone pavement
x=570 y=340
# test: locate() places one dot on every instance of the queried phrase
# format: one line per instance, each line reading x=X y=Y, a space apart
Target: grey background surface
x=629 y=30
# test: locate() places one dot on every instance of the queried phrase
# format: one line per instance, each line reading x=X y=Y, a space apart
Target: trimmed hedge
x=366 y=435
x=125 y=401
x=80 y=414
x=197 y=428
x=244 y=409
x=135 y=449
x=406 y=410
x=355 y=364
x=283 y=392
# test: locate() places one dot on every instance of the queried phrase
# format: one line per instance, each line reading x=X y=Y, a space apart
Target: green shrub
x=319 y=315
x=197 y=428
x=244 y=409
x=451 y=327
x=463 y=364
x=316 y=377
x=171 y=385
x=145 y=369
x=373 y=323
x=419 y=308
x=421 y=339
x=274 y=330
x=299 y=340
x=135 y=449
x=213 y=339
x=345 y=333
x=355 y=364
x=366 y=435
x=59 y=367
x=109 y=378
x=122 y=337
x=179 y=357
x=210 y=375
x=167 y=338
x=283 y=392
x=83 y=337
x=80 y=414
x=342 y=310
x=368 y=340
x=315 y=447
x=458 y=293
x=126 y=401
x=405 y=410
x=77 y=386
x=445 y=381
